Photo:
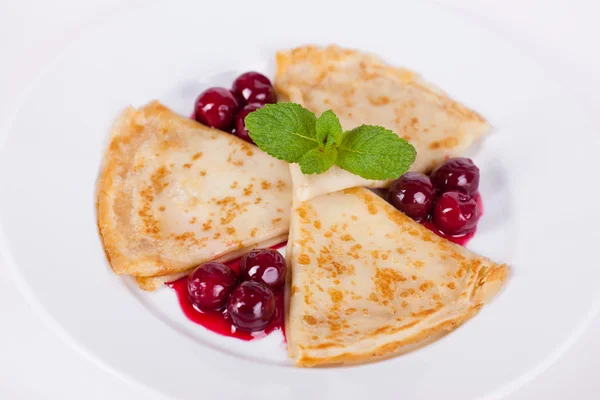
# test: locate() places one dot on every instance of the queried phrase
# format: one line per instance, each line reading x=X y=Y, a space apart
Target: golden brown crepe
x=368 y=281
x=173 y=193
x=362 y=89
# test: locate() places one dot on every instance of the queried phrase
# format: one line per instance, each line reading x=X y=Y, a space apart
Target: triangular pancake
x=362 y=89
x=368 y=281
x=174 y=193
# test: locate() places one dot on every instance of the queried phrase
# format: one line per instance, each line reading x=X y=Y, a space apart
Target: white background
x=562 y=35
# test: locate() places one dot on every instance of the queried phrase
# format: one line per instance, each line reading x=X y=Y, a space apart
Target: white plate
x=536 y=184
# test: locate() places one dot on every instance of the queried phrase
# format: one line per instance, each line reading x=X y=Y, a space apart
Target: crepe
x=173 y=194
x=362 y=89
x=368 y=281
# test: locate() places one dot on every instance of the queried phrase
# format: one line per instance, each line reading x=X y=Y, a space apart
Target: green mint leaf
x=289 y=132
x=317 y=161
x=329 y=130
x=374 y=152
x=284 y=130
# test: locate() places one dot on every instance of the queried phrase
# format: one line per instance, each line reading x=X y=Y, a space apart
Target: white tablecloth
x=34 y=364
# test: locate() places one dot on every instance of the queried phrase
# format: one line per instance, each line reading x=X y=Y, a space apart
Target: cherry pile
x=448 y=198
x=225 y=109
x=248 y=298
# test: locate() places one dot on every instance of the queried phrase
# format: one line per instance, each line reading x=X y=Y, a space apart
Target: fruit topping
x=265 y=266
x=413 y=194
x=240 y=124
x=459 y=174
x=216 y=107
x=254 y=88
x=455 y=213
x=251 y=306
x=210 y=285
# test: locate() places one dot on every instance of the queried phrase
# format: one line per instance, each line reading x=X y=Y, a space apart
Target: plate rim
x=35 y=303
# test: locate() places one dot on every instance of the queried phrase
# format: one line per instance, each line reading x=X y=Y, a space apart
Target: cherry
x=210 y=285
x=240 y=124
x=412 y=194
x=455 y=213
x=266 y=266
x=459 y=174
x=251 y=306
x=216 y=107
x=254 y=88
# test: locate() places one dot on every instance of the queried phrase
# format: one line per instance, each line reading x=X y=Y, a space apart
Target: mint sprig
x=290 y=132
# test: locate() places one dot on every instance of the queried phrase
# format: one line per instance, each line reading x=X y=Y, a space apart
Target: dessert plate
x=536 y=170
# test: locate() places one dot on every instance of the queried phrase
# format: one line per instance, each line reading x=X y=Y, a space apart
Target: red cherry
x=210 y=285
x=216 y=107
x=459 y=174
x=266 y=266
x=254 y=88
x=455 y=213
x=412 y=194
x=251 y=306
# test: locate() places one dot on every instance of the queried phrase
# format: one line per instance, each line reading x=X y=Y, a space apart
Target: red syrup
x=218 y=321
x=463 y=239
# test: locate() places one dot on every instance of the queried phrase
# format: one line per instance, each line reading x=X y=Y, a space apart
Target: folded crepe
x=173 y=193
x=368 y=281
x=362 y=89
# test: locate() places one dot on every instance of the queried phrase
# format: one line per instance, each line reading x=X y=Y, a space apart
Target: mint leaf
x=286 y=131
x=289 y=132
x=317 y=161
x=329 y=130
x=374 y=152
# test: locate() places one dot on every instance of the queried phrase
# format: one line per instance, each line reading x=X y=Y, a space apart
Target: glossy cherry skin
x=413 y=194
x=254 y=88
x=216 y=107
x=265 y=266
x=240 y=124
x=459 y=174
x=455 y=213
x=251 y=306
x=210 y=285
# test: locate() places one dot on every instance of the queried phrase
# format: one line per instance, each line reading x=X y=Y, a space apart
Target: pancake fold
x=367 y=281
x=173 y=193
x=361 y=89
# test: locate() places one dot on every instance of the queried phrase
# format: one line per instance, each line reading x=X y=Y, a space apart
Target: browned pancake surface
x=174 y=193
x=367 y=281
